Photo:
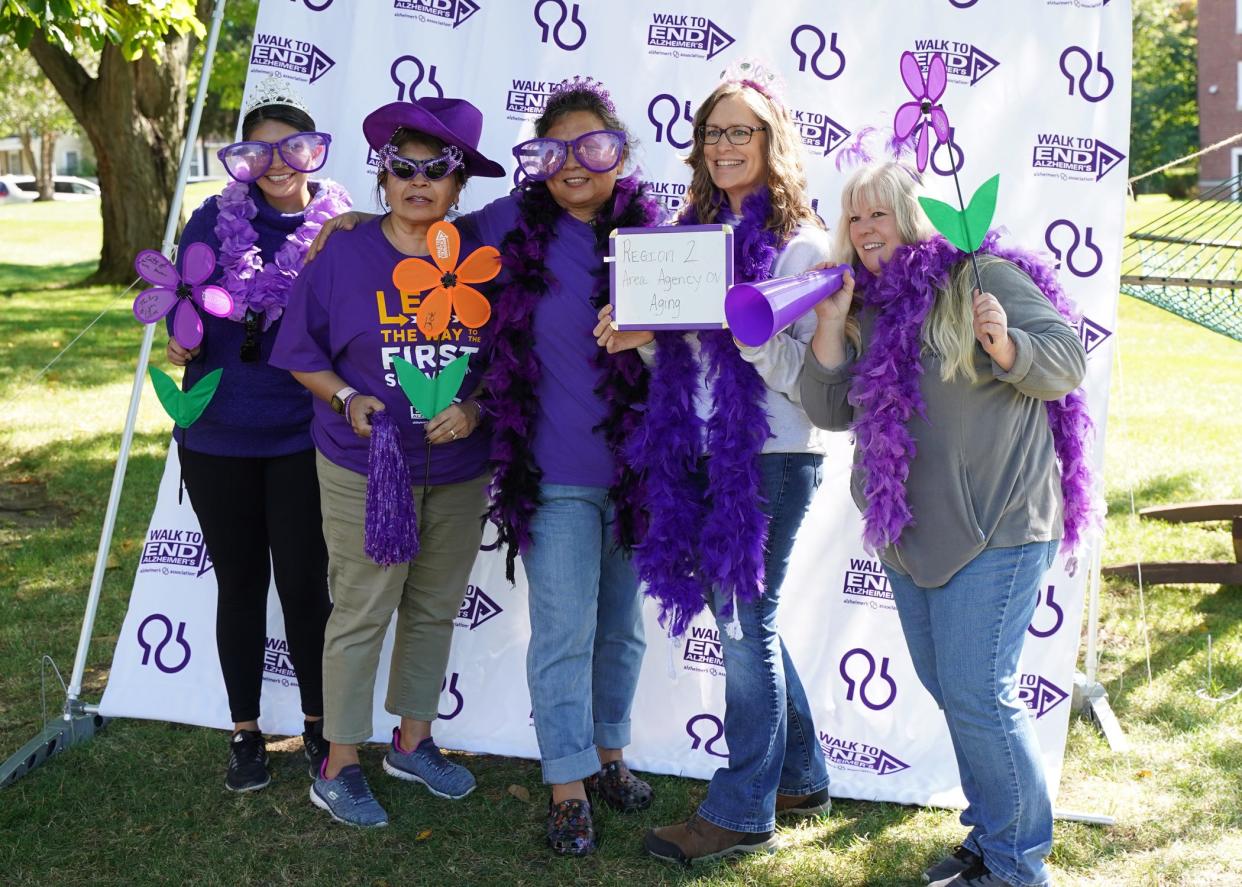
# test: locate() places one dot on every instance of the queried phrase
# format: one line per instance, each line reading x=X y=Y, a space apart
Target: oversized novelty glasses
x=302 y=152
x=598 y=151
x=434 y=168
x=737 y=135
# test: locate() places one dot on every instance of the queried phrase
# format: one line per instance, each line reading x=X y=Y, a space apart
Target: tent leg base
x=75 y=727
x=1092 y=700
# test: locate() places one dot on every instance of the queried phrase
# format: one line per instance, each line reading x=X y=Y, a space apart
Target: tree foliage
x=1164 y=116
x=136 y=28
x=228 y=68
x=31 y=111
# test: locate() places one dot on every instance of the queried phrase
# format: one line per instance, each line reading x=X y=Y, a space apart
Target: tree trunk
x=134 y=114
x=27 y=139
x=45 y=178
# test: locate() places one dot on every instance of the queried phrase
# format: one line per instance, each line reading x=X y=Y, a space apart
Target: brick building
x=1220 y=88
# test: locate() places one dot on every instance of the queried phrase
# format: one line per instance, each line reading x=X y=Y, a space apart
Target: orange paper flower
x=449 y=282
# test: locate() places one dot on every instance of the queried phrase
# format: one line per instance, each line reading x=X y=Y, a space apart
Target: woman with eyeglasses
x=730 y=464
x=561 y=413
x=350 y=323
x=248 y=464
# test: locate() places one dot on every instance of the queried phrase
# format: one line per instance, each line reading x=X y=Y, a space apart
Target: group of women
x=606 y=458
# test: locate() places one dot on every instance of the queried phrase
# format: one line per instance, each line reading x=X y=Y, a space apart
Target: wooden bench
x=1190 y=572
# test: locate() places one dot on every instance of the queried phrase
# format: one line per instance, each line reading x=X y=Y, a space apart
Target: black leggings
x=258 y=514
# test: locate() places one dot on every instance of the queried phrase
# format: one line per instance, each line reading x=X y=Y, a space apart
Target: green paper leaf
x=430 y=396
x=184 y=407
x=965 y=230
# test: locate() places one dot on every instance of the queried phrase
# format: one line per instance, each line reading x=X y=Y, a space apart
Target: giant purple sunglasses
x=598 y=151
x=301 y=151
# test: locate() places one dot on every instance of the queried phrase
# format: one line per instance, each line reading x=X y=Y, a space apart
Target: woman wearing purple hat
x=562 y=411
x=249 y=465
x=340 y=342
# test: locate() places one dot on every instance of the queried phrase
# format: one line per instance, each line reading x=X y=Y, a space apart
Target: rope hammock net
x=1189 y=261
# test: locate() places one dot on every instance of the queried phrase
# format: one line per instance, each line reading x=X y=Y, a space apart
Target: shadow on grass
x=1159 y=490
x=39 y=278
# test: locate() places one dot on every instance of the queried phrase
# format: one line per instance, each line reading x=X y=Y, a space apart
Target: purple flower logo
x=706 y=730
x=166 y=638
x=567 y=38
x=407 y=72
x=1073 y=52
x=673 y=112
x=1083 y=239
x=914 y=118
x=824 y=43
x=861 y=685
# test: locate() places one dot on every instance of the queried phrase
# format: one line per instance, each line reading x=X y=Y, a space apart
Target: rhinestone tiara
x=754 y=73
x=274 y=90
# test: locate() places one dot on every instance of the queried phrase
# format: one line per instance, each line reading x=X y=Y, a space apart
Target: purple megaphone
x=758 y=311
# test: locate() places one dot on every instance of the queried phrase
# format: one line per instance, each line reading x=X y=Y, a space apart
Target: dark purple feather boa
x=514 y=371
x=886 y=388
x=693 y=544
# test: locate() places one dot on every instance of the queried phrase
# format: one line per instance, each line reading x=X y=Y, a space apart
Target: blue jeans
x=965 y=638
x=771 y=737
x=586 y=631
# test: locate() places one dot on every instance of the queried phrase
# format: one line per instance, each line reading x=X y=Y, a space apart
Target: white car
x=10 y=192
x=65 y=187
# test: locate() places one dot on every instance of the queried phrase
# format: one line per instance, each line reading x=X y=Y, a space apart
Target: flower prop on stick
x=966 y=226
x=449 y=282
x=183 y=292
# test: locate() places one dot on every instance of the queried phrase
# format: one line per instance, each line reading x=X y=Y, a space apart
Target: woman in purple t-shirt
x=248 y=463
x=350 y=324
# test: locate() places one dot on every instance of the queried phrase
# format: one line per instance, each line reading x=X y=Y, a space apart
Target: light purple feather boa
x=254 y=285
x=886 y=388
x=693 y=544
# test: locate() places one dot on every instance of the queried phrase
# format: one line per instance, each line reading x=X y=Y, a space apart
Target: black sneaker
x=247 y=762
x=959 y=860
x=315 y=747
x=977 y=875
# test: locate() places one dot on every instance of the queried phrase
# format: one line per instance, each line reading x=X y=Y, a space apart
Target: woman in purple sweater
x=248 y=463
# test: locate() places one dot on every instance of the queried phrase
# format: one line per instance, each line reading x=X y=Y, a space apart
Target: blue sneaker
x=348 y=798
x=427 y=765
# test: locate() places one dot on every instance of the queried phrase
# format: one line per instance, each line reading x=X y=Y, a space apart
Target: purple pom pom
x=391 y=524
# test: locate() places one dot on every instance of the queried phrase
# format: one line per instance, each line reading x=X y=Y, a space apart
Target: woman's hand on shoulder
x=179 y=356
x=617 y=340
x=343 y=222
x=992 y=330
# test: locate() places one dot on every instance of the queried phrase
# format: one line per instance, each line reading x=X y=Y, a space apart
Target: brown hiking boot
x=815 y=804
x=697 y=840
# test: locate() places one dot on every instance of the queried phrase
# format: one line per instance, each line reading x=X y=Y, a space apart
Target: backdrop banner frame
x=1039 y=93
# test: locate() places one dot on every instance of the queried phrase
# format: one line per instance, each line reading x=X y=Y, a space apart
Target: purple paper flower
x=185 y=293
x=915 y=116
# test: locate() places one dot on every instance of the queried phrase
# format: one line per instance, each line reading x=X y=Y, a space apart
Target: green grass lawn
x=144 y=804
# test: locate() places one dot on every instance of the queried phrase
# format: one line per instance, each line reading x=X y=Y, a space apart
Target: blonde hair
x=948 y=331
x=783 y=151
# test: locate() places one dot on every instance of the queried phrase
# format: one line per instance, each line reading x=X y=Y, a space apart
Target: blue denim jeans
x=965 y=638
x=586 y=631
x=768 y=727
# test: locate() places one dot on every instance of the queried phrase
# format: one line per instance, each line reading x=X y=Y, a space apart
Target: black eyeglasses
x=737 y=135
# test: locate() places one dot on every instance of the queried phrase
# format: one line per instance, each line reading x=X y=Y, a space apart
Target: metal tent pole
x=79 y=722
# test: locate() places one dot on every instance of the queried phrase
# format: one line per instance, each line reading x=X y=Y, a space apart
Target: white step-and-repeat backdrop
x=1038 y=90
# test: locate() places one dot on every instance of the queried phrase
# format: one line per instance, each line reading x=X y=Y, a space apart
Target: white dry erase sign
x=670 y=278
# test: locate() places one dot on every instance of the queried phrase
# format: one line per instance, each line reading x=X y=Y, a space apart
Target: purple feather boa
x=692 y=545
x=514 y=371
x=886 y=390
x=391 y=528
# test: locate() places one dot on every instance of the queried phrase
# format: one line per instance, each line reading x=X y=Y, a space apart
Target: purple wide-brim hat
x=452 y=121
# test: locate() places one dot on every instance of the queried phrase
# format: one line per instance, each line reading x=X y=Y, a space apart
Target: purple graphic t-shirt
x=569 y=448
x=346 y=315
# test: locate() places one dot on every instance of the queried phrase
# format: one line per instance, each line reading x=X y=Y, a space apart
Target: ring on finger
x=453 y=434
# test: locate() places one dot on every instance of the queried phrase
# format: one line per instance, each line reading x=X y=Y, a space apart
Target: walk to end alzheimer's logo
x=686 y=36
x=819 y=132
x=277 y=664
x=671 y=194
x=526 y=98
x=448 y=13
x=1073 y=158
x=1039 y=694
x=476 y=609
x=702 y=651
x=174 y=553
x=866 y=585
x=846 y=754
x=966 y=63
x=293 y=58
